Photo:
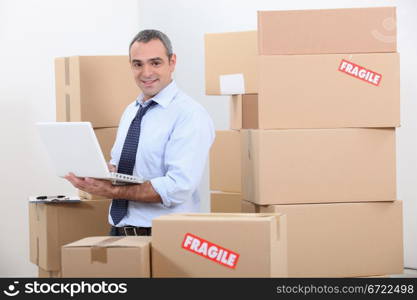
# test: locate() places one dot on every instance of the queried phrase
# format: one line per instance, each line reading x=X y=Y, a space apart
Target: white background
x=33 y=32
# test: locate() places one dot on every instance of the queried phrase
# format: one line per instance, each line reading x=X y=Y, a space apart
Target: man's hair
x=148 y=35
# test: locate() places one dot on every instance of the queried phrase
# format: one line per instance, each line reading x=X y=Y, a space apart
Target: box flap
x=111 y=242
x=224 y=193
x=324 y=31
x=98 y=245
x=132 y=241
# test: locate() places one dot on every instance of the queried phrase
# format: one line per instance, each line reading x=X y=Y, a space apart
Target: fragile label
x=360 y=72
x=210 y=250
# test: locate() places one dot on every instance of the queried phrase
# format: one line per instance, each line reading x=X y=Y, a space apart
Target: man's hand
x=93 y=186
x=136 y=192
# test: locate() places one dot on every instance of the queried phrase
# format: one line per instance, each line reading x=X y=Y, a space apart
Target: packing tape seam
x=249 y=144
x=99 y=251
x=37 y=250
x=67 y=107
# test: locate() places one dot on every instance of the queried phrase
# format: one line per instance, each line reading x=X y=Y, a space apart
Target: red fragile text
x=360 y=72
x=210 y=251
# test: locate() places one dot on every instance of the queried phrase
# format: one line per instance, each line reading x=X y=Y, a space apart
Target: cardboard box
x=48 y=274
x=225 y=162
x=106 y=138
x=105 y=256
x=341 y=239
x=318 y=165
x=329 y=98
x=244 y=111
x=223 y=202
x=56 y=224
x=236 y=112
x=214 y=245
x=317 y=91
x=348 y=30
x=231 y=63
x=93 y=88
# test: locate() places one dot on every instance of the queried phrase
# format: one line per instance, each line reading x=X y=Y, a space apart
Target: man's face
x=151 y=67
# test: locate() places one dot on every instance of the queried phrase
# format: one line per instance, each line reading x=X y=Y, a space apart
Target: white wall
x=32 y=33
x=406 y=137
x=186 y=22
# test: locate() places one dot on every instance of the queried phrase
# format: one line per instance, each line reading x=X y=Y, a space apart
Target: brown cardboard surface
x=106 y=138
x=223 y=202
x=318 y=165
x=309 y=91
x=93 y=88
x=348 y=30
x=48 y=274
x=250 y=117
x=230 y=53
x=235 y=106
x=341 y=239
x=261 y=245
x=53 y=225
x=225 y=162
x=107 y=257
x=244 y=111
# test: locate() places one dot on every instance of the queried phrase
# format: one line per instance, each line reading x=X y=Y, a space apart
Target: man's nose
x=147 y=70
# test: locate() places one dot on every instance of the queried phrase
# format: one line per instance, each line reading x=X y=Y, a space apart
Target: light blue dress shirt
x=175 y=139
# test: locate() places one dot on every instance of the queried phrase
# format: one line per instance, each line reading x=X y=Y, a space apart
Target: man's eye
x=156 y=63
x=137 y=65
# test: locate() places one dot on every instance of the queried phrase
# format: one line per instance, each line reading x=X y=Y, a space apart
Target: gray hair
x=147 y=35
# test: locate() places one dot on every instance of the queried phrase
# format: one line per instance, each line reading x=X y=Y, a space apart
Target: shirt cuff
x=159 y=186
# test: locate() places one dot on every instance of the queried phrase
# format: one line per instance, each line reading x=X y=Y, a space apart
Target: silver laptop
x=73 y=147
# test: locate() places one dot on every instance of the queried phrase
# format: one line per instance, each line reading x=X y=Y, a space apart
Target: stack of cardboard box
x=52 y=225
x=88 y=88
x=318 y=102
x=311 y=152
x=227 y=53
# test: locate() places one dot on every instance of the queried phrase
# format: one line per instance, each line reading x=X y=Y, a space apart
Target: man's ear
x=173 y=61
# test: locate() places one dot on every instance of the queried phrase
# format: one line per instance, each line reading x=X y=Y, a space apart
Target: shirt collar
x=163 y=98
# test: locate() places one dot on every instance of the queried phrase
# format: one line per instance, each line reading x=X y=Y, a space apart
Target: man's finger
x=92 y=181
x=77 y=182
x=112 y=168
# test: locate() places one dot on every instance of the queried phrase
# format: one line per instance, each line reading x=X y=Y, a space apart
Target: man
x=164 y=137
